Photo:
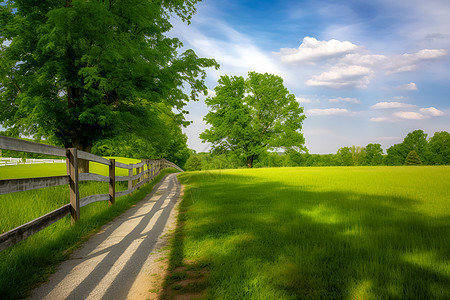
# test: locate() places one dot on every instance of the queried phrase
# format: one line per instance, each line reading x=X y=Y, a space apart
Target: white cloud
x=432 y=111
x=381 y=119
x=211 y=93
x=235 y=52
x=352 y=66
x=341 y=99
x=399 y=116
x=384 y=105
x=368 y=60
x=311 y=50
x=409 y=62
x=328 y=112
x=343 y=77
x=409 y=115
x=407 y=87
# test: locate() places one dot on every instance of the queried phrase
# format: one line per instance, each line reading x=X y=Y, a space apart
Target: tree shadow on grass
x=266 y=239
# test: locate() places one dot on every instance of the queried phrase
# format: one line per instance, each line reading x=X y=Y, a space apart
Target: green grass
x=317 y=233
x=56 y=169
x=19 y=208
x=32 y=260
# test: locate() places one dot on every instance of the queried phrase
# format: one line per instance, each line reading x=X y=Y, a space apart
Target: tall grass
x=32 y=260
x=310 y=233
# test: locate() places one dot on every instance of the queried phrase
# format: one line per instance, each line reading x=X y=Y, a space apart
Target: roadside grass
x=31 y=261
x=314 y=233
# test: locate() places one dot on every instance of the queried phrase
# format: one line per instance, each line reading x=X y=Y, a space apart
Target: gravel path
x=116 y=262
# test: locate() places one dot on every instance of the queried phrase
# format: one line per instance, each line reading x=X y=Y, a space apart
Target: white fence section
x=13 y=161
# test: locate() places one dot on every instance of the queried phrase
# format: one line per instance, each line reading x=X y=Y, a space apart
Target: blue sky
x=365 y=71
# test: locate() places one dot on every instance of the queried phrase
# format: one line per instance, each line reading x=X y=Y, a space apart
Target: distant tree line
x=416 y=149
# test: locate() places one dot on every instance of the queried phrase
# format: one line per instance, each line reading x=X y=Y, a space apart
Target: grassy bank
x=32 y=260
x=331 y=233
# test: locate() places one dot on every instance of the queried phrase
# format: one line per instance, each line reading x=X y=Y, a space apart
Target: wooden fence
x=14 y=161
x=153 y=167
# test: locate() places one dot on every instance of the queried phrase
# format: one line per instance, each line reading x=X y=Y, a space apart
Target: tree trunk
x=250 y=161
x=73 y=94
x=83 y=165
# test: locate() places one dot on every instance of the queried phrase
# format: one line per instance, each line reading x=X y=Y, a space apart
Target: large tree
x=69 y=68
x=439 y=148
x=373 y=155
x=416 y=140
x=344 y=157
x=253 y=115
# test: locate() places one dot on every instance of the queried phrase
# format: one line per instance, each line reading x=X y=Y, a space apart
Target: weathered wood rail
x=146 y=170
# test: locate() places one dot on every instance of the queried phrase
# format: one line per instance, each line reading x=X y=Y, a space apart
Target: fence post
x=141 y=170
x=74 y=191
x=112 y=182
x=130 y=182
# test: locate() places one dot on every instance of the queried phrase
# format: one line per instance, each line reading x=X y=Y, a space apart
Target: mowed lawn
x=319 y=233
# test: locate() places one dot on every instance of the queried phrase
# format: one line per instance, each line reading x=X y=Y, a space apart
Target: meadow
x=34 y=259
x=314 y=233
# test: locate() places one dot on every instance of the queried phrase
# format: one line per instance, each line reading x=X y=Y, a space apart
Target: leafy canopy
x=253 y=115
x=70 y=68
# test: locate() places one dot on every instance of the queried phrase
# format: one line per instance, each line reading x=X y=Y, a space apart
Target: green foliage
x=253 y=115
x=413 y=159
x=193 y=163
x=344 y=157
x=439 y=149
x=416 y=140
x=357 y=155
x=150 y=132
x=373 y=155
x=395 y=155
x=318 y=233
x=436 y=151
x=71 y=68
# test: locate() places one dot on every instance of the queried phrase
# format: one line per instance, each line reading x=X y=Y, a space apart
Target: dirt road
x=116 y=262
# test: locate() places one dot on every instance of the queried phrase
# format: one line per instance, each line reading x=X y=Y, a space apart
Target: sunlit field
x=32 y=260
x=322 y=233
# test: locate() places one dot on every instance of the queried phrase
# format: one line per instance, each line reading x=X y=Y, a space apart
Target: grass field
x=314 y=233
x=32 y=260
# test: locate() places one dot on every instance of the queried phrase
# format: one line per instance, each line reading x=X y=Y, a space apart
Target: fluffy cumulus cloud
x=347 y=65
x=385 y=105
x=343 y=77
x=328 y=112
x=432 y=111
x=408 y=115
x=311 y=50
x=346 y=99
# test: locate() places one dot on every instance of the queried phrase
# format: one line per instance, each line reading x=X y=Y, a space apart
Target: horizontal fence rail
x=144 y=171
